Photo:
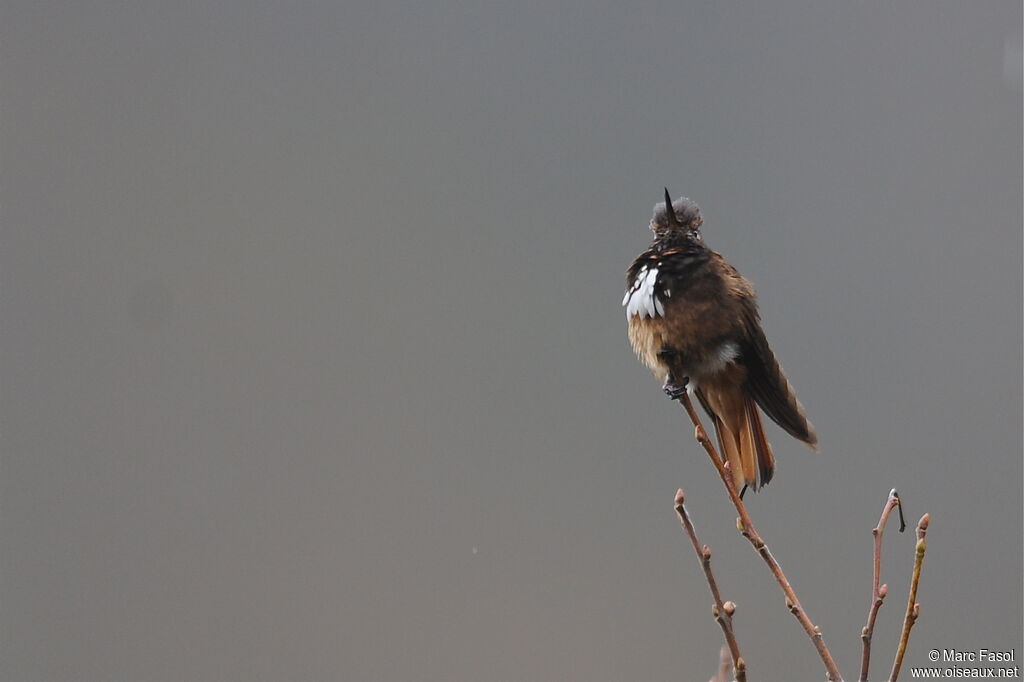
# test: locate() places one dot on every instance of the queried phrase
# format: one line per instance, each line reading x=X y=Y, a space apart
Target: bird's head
x=680 y=219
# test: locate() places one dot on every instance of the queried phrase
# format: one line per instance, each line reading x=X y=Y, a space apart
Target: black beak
x=668 y=208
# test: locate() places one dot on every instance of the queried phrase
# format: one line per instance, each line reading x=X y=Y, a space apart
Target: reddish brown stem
x=913 y=608
x=721 y=611
x=878 y=591
x=746 y=527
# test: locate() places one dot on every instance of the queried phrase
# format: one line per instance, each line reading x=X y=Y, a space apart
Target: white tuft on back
x=641 y=298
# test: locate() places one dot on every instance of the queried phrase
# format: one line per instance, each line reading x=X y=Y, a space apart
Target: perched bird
x=693 y=321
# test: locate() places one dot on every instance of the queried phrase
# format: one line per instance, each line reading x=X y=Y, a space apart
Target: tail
x=740 y=433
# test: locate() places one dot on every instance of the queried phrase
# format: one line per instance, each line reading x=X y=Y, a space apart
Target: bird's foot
x=673 y=389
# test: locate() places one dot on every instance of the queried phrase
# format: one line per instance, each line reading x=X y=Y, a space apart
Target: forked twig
x=746 y=527
x=721 y=611
x=913 y=608
x=878 y=591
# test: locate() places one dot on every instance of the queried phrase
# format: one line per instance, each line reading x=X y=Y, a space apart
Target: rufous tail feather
x=740 y=434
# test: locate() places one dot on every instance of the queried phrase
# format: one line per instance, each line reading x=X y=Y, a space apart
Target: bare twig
x=913 y=608
x=878 y=592
x=724 y=666
x=721 y=611
x=746 y=527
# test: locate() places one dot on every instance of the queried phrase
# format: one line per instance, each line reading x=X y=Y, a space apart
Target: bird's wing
x=767 y=383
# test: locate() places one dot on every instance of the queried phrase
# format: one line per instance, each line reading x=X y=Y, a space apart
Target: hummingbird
x=693 y=320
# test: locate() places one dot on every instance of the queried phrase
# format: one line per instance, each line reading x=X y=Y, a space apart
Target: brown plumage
x=693 y=320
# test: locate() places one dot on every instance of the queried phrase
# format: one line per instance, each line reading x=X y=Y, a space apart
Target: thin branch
x=724 y=666
x=746 y=527
x=913 y=608
x=878 y=592
x=721 y=611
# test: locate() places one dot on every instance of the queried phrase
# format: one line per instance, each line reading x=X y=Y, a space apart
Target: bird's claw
x=675 y=390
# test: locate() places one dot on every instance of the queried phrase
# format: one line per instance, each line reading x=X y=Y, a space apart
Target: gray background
x=314 y=366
